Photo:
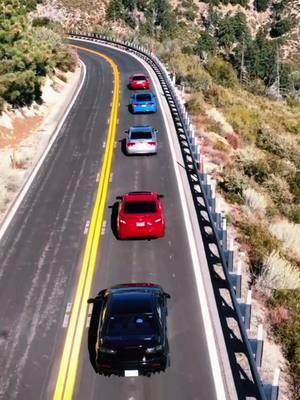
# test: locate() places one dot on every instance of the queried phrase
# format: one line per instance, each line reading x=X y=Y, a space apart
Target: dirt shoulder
x=25 y=134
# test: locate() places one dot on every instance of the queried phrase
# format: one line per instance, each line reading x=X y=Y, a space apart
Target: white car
x=141 y=140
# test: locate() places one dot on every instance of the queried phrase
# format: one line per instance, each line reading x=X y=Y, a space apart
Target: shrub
x=257 y=169
x=289 y=234
x=277 y=273
x=232 y=184
x=217 y=95
x=295 y=187
x=280 y=27
x=255 y=201
x=256 y=86
x=195 y=104
x=278 y=190
x=294 y=215
x=260 y=241
x=233 y=139
x=293 y=102
x=288 y=330
x=206 y=44
x=198 y=79
x=281 y=145
x=261 y=5
x=244 y=121
x=222 y=72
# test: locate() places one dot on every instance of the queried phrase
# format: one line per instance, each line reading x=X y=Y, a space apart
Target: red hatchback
x=139 y=81
x=141 y=215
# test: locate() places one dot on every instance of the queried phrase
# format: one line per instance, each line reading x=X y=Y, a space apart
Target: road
x=42 y=251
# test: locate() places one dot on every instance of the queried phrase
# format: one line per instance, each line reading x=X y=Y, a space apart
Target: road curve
x=41 y=256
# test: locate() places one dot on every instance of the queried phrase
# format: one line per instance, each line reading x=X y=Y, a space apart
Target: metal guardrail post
x=236 y=280
x=212 y=202
x=224 y=233
x=229 y=256
x=257 y=346
x=272 y=390
x=246 y=310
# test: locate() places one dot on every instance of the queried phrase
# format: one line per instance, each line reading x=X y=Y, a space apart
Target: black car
x=132 y=332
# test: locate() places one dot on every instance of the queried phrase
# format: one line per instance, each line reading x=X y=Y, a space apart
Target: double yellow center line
x=68 y=366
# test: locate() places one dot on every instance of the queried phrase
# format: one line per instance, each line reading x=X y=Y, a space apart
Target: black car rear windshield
x=141 y=135
x=143 y=97
x=139 y=78
x=139 y=207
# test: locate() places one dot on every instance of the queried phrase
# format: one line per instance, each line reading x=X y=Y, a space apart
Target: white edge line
x=207 y=323
x=37 y=167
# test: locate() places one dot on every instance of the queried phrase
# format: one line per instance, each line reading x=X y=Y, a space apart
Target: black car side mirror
x=160 y=196
x=155 y=131
x=126 y=131
x=167 y=295
x=118 y=197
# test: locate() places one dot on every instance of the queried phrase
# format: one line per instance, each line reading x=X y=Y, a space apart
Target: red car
x=139 y=81
x=140 y=215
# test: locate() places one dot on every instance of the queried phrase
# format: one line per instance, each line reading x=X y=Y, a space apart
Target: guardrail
x=205 y=200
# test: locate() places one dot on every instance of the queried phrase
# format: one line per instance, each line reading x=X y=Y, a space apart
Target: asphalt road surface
x=41 y=256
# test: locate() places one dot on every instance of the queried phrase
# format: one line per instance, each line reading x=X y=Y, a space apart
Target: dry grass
x=277 y=273
x=289 y=234
x=255 y=201
x=244 y=121
x=278 y=190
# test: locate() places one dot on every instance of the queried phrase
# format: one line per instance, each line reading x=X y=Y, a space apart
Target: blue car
x=143 y=103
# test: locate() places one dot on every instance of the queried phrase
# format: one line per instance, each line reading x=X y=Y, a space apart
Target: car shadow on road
x=92 y=333
x=114 y=219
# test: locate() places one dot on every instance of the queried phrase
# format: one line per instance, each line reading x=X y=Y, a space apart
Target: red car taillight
x=152 y=143
x=130 y=144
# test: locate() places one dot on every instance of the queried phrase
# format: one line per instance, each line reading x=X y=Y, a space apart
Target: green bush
x=261 y=5
x=281 y=27
x=259 y=169
x=287 y=328
x=232 y=185
x=195 y=104
x=206 y=44
x=244 y=121
x=279 y=191
x=295 y=187
x=222 y=72
x=260 y=241
x=280 y=145
x=294 y=214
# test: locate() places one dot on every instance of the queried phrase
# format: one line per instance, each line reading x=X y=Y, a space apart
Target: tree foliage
x=27 y=56
x=160 y=20
x=261 y=5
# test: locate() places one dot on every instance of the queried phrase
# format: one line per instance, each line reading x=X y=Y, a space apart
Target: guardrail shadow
x=236 y=349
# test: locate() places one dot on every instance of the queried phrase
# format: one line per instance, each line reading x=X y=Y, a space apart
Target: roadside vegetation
x=29 y=51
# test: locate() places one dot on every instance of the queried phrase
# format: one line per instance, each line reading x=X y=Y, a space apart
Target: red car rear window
x=139 y=78
x=139 y=207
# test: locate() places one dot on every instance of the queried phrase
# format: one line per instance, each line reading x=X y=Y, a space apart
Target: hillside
x=79 y=14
